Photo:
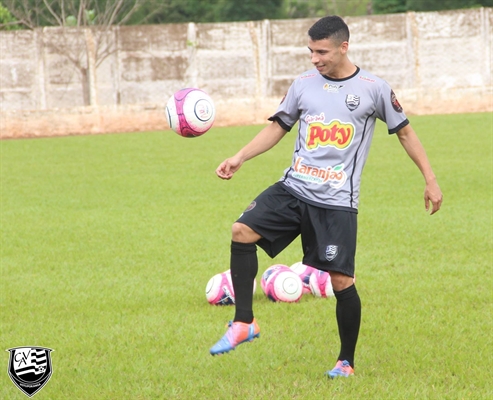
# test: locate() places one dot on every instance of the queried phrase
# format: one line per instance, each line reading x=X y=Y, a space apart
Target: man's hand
x=228 y=167
x=433 y=195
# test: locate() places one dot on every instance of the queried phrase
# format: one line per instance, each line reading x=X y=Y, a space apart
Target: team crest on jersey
x=352 y=102
x=331 y=252
x=30 y=368
x=335 y=134
x=395 y=103
x=332 y=88
x=334 y=176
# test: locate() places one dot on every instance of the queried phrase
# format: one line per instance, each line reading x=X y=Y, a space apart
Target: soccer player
x=336 y=104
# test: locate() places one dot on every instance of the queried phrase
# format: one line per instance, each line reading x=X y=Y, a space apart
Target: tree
x=176 y=11
x=320 y=8
x=388 y=6
x=396 y=6
x=250 y=10
x=7 y=21
x=84 y=37
x=420 y=5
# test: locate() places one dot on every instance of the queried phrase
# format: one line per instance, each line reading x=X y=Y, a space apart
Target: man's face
x=326 y=55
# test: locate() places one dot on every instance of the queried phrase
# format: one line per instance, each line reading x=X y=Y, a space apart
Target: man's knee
x=243 y=233
x=340 y=281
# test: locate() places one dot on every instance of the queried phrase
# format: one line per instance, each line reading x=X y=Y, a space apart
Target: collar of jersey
x=343 y=79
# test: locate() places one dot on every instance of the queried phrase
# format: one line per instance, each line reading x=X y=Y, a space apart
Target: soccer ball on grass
x=320 y=284
x=284 y=285
x=268 y=272
x=219 y=290
x=304 y=272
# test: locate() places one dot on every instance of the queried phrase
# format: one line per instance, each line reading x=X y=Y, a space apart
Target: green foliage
x=176 y=11
x=419 y=5
x=320 y=8
x=90 y=18
x=173 y=11
x=98 y=12
x=39 y=13
x=389 y=6
x=250 y=10
x=398 y=6
x=107 y=243
x=7 y=21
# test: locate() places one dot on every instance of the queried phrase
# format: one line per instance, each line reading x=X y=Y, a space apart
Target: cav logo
x=30 y=368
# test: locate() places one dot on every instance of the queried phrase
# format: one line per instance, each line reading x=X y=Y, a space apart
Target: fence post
x=192 y=71
x=40 y=69
x=91 y=66
x=486 y=45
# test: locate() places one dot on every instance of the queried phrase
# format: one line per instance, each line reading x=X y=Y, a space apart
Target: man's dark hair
x=330 y=27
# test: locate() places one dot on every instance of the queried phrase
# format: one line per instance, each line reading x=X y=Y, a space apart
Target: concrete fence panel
x=56 y=81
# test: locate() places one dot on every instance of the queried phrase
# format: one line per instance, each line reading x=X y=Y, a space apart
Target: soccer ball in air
x=268 y=272
x=304 y=272
x=190 y=112
x=284 y=285
x=320 y=284
x=219 y=290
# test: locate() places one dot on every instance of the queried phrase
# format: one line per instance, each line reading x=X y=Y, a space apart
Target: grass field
x=107 y=243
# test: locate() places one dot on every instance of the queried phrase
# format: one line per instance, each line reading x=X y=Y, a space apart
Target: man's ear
x=344 y=47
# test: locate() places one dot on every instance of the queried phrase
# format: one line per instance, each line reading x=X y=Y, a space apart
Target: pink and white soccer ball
x=284 y=285
x=219 y=290
x=190 y=112
x=304 y=272
x=320 y=284
x=268 y=272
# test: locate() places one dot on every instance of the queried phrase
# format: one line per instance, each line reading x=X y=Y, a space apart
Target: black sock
x=348 y=314
x=244 y=268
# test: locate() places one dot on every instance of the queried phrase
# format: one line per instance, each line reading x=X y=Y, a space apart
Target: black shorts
x=328 y=237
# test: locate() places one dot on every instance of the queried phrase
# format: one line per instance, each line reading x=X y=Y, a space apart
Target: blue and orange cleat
x=342 y=368
x=238 y=332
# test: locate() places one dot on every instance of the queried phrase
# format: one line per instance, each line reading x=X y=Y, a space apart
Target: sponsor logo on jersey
x=332 y=88
x=352 y=102
x=365 y=78
x=335 y=134
x=305 y=76
x=334 y=176
x=395 y=103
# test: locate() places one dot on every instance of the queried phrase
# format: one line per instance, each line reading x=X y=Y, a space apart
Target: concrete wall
x=57 y=81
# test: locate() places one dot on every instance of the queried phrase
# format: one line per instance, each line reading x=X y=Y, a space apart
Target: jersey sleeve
x=389 y=110
x=288 y=112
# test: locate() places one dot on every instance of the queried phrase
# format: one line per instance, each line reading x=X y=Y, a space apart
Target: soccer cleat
x=342 y=368
x=238 y=332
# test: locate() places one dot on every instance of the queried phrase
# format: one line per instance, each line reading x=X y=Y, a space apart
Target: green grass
x=107 y=243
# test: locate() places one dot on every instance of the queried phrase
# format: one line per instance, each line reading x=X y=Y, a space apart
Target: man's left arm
x=417 y=153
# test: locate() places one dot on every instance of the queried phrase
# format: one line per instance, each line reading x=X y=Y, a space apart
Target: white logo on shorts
x=331 y=252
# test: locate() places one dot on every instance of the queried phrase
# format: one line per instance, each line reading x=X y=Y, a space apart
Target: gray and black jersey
x=336 y=123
